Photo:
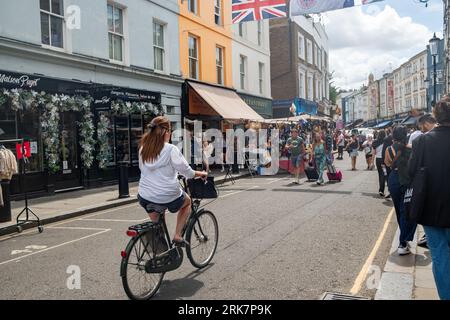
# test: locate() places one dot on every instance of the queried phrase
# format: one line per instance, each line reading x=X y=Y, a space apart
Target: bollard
x=235 y=166
x=124 y=190
x=5 y=211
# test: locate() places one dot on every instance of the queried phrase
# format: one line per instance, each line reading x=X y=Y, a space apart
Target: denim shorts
x=152 y=207
x=296 y=160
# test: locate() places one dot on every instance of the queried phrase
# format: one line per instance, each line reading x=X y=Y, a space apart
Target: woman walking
x=368 y=150
x=397 y=157
x=319 y=155
x=379 y=161
x=353 y=149
x=432 y=151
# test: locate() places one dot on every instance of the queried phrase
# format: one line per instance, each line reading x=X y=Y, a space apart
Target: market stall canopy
x=225 y=102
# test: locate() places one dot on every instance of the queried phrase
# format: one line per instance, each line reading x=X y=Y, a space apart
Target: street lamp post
x=434 y=42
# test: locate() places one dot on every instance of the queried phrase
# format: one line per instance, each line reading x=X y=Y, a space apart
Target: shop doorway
x=70 y=174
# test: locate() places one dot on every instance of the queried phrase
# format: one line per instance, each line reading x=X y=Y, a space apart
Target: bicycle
x=150 y=253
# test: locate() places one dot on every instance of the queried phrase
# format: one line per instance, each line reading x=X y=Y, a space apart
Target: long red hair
x=153 y=140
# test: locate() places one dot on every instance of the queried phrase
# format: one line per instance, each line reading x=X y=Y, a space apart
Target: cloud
x=370 y=40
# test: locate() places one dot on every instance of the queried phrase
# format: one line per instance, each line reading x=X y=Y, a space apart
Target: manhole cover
x=341 y=296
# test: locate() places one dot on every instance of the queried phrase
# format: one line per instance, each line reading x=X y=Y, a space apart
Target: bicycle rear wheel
x=137 y=283
x=203 y=236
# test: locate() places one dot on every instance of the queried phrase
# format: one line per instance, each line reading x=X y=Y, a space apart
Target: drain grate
x=340 y=296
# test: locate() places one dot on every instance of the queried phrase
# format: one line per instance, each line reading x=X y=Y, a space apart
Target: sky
x=378 y=38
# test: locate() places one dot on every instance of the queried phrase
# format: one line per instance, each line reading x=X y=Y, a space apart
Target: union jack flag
x=253 y=10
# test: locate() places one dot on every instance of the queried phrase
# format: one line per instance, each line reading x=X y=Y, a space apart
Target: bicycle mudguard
x=169 y=261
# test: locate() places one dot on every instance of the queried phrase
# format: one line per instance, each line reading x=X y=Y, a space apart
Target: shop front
x=260 y=105
x=122 y=115
x=46 y=112
x=216 y=107
x=78 y=132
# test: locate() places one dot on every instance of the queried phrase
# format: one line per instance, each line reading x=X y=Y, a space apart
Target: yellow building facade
x=206 y=41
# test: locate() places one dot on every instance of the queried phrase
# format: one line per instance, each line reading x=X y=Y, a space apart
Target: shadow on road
x=181 y=288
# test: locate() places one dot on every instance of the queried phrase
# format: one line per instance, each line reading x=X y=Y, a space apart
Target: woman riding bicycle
x=160 y=162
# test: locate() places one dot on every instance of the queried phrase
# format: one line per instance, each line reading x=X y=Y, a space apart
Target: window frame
x=243 y=72
x=157 y=47
x=196 y=59
x=195 y=4
x=309 y=52
x=218 y=15
x=51 y=14
x=261 y=75
x=260 y=33
x=221 y=66
x=301 y=46
x=115 y=5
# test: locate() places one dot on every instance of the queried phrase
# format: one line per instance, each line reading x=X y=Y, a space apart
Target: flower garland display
x=104 y=152
x=49 y=106
x=121 y=107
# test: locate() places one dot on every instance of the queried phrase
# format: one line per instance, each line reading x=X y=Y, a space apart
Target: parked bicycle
x=150 y=252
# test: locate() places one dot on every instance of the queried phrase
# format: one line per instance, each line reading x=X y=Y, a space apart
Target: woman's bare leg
x=182 y=218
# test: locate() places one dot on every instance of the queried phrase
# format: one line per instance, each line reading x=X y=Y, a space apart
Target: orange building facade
x=206 y=41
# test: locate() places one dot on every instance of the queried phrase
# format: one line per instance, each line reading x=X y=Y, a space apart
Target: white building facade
x=251 y=65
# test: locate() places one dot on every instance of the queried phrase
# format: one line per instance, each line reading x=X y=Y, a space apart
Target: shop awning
x=225 y=102
x=410 y=121
x=383 y=124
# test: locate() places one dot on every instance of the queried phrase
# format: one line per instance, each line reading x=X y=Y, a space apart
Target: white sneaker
x=403 y=251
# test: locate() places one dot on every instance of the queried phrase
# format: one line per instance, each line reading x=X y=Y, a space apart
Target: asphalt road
x=277 y=241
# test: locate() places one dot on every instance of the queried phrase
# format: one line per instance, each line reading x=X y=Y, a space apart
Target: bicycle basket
x=201 y=189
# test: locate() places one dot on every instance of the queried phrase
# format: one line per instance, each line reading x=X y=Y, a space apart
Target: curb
x=397 y=278
x=74 y=214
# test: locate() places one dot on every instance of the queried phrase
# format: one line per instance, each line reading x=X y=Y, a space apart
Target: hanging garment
x=1 y=196
x=8 y=164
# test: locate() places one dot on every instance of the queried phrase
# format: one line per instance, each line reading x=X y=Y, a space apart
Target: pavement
x=277 y=241
x=72 y=204
x=408 y=277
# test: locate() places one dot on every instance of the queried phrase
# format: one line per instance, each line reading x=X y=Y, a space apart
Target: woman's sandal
x=180 y=243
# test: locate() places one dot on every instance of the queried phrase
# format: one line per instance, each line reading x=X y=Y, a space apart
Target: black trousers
x=381 y=177
x=340 y=152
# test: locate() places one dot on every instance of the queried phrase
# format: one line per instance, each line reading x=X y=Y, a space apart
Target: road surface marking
x=54 y=247
x=115 y=220
x=276 y=180
x=362 y=275
x=78 y=228
x=230 y=194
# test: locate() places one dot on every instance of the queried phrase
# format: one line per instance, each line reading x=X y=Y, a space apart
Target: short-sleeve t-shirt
x=296 y=145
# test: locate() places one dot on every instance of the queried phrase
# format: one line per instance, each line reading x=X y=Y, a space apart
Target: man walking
x=297 y=147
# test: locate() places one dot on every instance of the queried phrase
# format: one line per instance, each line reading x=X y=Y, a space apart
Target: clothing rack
x=26 y=210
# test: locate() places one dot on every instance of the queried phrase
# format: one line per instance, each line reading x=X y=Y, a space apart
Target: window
x=219 y=65
x=301 y=46
x=170 y=109
x=218 y=12
x=242 y=30
x=115 y=32
x=310 y=88
x=158 y=46
x=260 y=31
x=192 y=6
x=309 y=54
x=52 y=23
x=319 y=58
x=317 y=55
x=301 y=84
x=242 y=71
x=193 y=57
x=261 y=77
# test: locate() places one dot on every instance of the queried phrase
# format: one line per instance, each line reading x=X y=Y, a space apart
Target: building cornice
x=36 y=52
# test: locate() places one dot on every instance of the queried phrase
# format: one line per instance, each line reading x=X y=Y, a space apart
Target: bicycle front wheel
x=137 y=283
x=203 y=236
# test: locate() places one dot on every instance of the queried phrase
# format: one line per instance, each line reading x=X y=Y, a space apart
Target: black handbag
x=202 y=189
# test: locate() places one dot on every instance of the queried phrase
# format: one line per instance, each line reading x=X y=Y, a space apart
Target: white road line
x=230 y=194
x=54 y=247
x=275 y=180
x=362 y=275
x=78 y=228
x=114 y=220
